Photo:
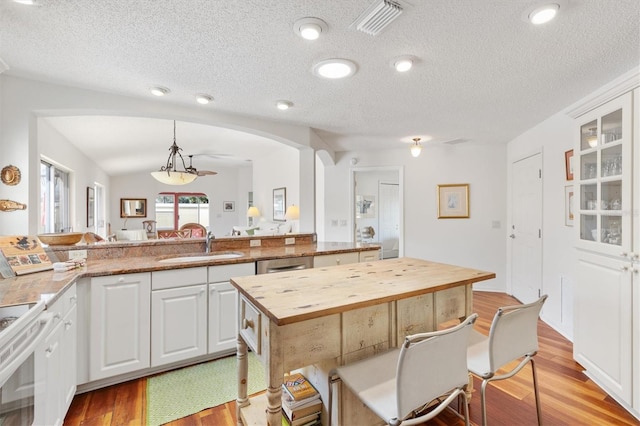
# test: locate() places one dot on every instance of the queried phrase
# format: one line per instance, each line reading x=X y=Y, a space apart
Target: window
x=54 y=199
x=174 y=209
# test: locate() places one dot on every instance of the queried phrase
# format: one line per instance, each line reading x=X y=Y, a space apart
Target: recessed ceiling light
x=284 y=105
x=544 y=14
x=334 y=68
x=310 y=28
x=27 y=2
x=403 y=63
x=159 y=90
x=203 y=99
x=543 y=11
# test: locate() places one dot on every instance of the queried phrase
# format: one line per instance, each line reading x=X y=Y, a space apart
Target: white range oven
x=23 y=329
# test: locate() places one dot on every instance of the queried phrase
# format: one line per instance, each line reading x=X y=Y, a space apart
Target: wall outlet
x=77 y=254
x=289 y=241
x=255 y=243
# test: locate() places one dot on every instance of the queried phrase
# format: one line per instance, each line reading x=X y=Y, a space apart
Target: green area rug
x=182 y=392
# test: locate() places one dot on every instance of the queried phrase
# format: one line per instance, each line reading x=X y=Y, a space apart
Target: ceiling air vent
x=377 y=16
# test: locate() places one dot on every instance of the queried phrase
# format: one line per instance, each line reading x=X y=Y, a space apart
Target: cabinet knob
x=247 y=323
x=68 y=324
x=49 y=349
x=512 y=236
x=625 y=268
x=57 y=316
x=337 y=261
x=73 y=299
x=121 y=279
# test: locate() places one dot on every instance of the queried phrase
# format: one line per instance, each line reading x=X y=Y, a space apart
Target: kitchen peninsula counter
x=317 y=319
x=47 y=285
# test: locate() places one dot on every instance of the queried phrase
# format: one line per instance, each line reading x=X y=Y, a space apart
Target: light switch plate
x=255 y=243
x=77 y=254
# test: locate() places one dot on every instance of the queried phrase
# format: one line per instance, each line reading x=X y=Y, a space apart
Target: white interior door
x=389 y=219
x=526 y=229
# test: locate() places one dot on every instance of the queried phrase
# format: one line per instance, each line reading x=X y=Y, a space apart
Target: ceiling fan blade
x=206 y=172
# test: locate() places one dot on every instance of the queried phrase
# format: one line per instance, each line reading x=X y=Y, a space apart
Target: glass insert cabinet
x=603 y=177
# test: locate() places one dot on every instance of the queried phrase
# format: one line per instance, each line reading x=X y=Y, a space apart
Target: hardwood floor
x=568 y=396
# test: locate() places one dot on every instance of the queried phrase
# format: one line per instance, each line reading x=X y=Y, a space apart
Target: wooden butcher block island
x=317 y=319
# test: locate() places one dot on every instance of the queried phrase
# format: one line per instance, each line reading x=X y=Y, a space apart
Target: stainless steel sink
x=201 y=257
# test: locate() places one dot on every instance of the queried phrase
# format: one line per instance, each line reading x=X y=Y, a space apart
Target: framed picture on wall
x=453 y=201
x=365 y=206
x=228 y=206
x=568 y=205
x=279 y=203
x=568 y=164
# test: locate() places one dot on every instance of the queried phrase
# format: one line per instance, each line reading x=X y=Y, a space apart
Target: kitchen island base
x=335 y=316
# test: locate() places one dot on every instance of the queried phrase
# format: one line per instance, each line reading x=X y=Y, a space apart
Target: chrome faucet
x=207 y=247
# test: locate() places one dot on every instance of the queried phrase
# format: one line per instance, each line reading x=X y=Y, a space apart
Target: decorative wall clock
x=10 y=175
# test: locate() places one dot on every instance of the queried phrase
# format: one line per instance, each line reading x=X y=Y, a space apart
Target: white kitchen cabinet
x=178 y=324
x=335 y=259
x=603 y=176
x=178 y=315
x=120 y=324
x=603 y=318
x=223 y=305
x=69 y=352
x=59 y=362
x=607 y=295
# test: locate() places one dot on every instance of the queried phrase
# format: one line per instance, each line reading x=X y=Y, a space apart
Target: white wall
x=230 y=184
x=281 y=169
x=22 y=101
x=83 y=171
x=469 y=242
x=551 y=138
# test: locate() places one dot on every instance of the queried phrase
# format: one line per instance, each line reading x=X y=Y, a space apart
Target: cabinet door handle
x=625 y=268
x=73 y=299
x=337 y=261
x=247 y=323
x=200 y=293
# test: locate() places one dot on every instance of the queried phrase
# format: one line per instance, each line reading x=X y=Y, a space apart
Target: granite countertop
x=47 y=285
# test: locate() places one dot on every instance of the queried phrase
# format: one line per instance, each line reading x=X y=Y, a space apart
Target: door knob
x=512 y=236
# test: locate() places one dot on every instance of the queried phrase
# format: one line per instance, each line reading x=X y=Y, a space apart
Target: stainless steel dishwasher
x=282 y=265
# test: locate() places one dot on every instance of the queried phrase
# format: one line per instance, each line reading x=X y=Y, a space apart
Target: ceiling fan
x=192 y=169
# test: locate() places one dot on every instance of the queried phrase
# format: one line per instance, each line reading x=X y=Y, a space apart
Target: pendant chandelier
x=169 y=173
x=416 y=148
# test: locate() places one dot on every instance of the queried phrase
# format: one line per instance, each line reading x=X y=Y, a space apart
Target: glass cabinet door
x=603 y=178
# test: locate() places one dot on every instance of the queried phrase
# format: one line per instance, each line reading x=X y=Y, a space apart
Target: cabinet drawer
x=369 y=256
x=250 y=325
x=335 y=259
x=178 y=278
x=65 y=302
x=222 y=273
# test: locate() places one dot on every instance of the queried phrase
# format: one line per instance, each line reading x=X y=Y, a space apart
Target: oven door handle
x=26 y=348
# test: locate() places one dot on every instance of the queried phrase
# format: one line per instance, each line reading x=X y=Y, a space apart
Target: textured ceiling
x=483 y=73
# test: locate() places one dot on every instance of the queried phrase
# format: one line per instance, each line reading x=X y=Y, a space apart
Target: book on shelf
x=298 y=387
x=308 y=420
x=313 y=405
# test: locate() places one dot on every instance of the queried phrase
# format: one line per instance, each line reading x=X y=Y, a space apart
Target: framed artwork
x=279 y=203
x=568 y=164
x=91 y=202
x=228 y=206
x=365 y=206
x=133 y=207
x=568 y=205
x=453 y=201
